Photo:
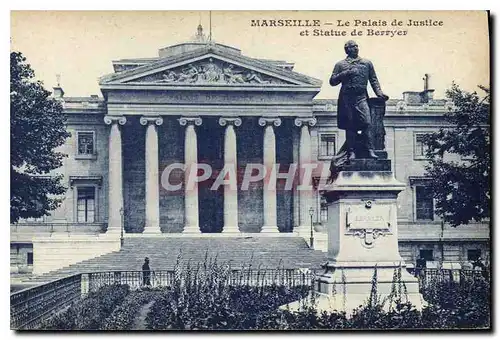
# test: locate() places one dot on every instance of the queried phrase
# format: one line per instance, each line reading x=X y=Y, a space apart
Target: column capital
x=145 y=120
x=299 y=121
x=223 y=121
x=263 y=121
x=108 y=120
x=183 y=121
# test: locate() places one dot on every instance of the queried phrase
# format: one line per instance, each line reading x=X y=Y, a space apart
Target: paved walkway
x=140 y=320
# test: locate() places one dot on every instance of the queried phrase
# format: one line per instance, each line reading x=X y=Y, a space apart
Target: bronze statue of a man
x=353 y=112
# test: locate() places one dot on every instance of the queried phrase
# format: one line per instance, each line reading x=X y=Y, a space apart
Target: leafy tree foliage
x=462 y=186
x=37 y=128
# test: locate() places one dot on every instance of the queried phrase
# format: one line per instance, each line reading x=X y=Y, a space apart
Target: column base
x=152 y=230
x=230 y=230
x=270 y=229
x=191 y=230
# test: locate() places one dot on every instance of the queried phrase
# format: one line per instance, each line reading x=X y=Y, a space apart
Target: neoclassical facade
x=131 y=152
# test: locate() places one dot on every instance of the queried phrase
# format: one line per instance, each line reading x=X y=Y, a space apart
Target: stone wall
x=75 y=166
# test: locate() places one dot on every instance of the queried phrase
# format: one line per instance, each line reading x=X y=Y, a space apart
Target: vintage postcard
x=250 y=170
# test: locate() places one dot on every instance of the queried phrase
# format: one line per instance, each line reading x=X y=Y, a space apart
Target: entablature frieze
x=211 y=110
x=209 y=96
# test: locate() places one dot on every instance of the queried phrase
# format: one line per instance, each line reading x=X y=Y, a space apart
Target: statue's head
x=351 y=49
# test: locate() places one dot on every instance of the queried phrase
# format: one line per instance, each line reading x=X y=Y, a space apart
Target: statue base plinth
x=347 y=287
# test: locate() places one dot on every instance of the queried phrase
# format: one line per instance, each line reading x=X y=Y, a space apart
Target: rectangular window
x=29 y=259
x=427 y=254
x=424 y=203
x=85 y=205
x=473 y=254
x=419 y=146
x=324 y=213
x=85 y=143
x=327 y=146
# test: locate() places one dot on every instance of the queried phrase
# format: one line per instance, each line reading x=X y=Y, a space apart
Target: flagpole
x=210 y=35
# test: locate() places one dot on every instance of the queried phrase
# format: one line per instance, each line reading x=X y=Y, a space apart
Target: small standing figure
x=146 y=273
x=420 y=266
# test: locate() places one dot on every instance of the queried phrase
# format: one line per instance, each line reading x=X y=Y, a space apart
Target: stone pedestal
x=362 y=239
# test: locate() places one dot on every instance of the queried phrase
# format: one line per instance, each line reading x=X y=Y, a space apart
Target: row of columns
x=152 y=223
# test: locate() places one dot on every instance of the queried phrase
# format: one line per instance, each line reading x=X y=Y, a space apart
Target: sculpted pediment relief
x=210 y=71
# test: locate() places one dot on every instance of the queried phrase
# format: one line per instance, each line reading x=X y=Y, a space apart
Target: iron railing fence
x=30 y=306
x=461 y=276
x=166 y=278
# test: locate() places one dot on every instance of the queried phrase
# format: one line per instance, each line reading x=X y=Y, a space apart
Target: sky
x=80 y=45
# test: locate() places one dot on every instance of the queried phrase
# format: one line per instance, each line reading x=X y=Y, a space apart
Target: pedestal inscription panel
x=368 y=221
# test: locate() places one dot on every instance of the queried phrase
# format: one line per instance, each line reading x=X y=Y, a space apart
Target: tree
x=461 y=185
x=37 y=128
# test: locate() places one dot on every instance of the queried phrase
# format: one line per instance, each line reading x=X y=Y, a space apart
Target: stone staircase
x=266 y=252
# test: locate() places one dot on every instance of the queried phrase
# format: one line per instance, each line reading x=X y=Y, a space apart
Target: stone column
x=230 y=162
x=115 y=175
x=191 y=215
x=269 y=190
x=305 y=189
x=152 y=225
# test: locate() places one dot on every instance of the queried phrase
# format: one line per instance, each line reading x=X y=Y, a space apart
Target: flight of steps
x=268 y=252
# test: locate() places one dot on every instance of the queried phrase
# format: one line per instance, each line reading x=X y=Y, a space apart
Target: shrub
x=205 y=298
x=464 y=304
x=90 y=312
x=123 y=316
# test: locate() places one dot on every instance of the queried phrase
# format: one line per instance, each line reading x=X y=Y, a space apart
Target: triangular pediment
x=210 y=71
x=208 y=67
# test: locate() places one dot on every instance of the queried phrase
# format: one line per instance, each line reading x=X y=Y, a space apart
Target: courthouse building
x=205 y=102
